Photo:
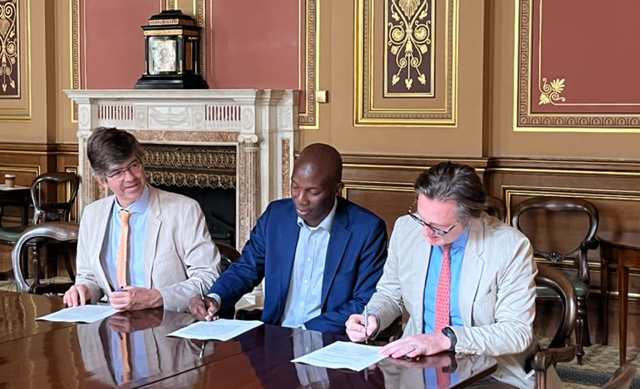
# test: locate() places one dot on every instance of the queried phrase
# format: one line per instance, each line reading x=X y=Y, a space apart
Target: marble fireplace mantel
x=261 y=124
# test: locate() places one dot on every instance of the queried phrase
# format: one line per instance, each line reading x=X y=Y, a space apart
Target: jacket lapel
x=103 y=218
x=338 y=238
x=472 y=270
x=151 y=237
x=286 y=248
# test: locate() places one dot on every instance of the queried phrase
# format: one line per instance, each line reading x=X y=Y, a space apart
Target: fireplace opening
x=206 y=174
x=219 y=207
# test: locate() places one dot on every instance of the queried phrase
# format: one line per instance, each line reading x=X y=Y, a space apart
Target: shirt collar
x=326 y=224
x=139 y=205
x=461 y=240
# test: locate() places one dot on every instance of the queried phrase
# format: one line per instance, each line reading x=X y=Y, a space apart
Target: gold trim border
x=524 y=120
x=446 y=116
x=22 y=114
x=309 y=118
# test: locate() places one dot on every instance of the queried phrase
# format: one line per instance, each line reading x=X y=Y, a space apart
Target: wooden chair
x=622 y=377
x=549 y=223
x=228 y=254
x=48 y=231
x=495 y=206
x=560 y=348
x=45 y=211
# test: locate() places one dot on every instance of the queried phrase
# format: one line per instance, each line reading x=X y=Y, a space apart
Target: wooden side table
x=19 y=196
x=622 y=249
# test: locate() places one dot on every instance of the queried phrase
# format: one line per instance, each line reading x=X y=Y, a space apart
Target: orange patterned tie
x=121 y=279
x=442 y=310
x=124 y=355
x=121 y=259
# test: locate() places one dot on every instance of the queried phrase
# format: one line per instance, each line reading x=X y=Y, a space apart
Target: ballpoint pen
x=366 y=314
x=202 y=298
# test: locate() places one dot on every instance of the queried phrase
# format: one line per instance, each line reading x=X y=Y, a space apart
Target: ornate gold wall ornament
x=408 y=31
x=551 y=93
x=9 y=47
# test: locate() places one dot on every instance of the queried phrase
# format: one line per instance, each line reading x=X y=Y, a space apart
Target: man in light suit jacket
x=320 y=254
x=170 y=254
x=491 y=303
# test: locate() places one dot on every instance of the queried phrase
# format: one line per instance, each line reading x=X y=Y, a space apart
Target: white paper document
x=343 y=355
x=221 y=329
x=81 y=314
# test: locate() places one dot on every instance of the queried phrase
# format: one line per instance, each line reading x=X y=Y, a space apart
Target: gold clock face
x=162 y=55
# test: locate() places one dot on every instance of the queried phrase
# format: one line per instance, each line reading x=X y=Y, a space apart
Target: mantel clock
x=172 y=40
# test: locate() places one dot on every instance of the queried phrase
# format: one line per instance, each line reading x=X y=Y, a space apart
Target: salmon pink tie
x=442 y=304
x=121 y=259
x=442 y=310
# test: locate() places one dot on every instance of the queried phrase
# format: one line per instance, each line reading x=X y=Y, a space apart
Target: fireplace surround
x=196 y=135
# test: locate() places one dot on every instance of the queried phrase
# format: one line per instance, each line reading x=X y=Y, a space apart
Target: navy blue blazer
x=355 y=257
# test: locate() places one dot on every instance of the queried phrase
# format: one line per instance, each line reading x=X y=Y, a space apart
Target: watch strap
x=447 y=331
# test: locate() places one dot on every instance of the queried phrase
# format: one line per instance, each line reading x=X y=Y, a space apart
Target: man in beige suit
x=169 y=253
x=486 y=268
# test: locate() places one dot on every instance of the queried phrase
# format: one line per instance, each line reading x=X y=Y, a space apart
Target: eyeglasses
x=423 y=223
x=134 y=168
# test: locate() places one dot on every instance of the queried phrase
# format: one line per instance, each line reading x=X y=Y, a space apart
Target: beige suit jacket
x=496 y=297
x=180 y=256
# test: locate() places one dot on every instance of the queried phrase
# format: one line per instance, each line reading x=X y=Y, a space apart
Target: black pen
x=202 y=298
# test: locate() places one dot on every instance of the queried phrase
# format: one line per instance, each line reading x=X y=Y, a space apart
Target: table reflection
x=134 y=347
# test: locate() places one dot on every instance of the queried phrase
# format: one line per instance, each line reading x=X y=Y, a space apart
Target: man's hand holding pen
x=360 y=327
x=203 y=307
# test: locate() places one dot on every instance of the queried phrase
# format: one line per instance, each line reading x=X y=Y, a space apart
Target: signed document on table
x=81 y=314
x=343 y=355
x=221 y=329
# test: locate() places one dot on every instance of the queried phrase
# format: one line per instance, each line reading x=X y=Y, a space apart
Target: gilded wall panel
x=308 y=69
x=15 y=66
x=582 y=76
x=406 y=62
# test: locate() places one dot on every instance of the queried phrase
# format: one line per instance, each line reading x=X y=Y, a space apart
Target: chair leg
x=67 y=255
x=582 y=330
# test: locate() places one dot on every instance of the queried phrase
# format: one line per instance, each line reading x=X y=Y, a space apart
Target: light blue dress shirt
x=306 y=283
x=136 y=248
x=434 y=270
x=137 y=355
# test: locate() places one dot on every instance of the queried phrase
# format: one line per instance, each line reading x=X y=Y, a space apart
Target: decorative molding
x=191 y=166
x=524 y=118
x=15 y=67
x=408 y=37
x=367 y=104
x=10 y=49
x=309 y=118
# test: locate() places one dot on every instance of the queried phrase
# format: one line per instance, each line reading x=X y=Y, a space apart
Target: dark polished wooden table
x=622 y=249
x=63 y=355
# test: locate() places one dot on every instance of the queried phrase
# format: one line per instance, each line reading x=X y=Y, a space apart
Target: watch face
x=162 y=55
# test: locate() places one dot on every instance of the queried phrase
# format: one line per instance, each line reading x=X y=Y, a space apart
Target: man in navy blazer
x=321 y=255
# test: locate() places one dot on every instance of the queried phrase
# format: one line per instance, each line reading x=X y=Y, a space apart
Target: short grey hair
x=109 y=147
x=453 y=181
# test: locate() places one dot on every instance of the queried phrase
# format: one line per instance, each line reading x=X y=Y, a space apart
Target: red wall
x=249 y=44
